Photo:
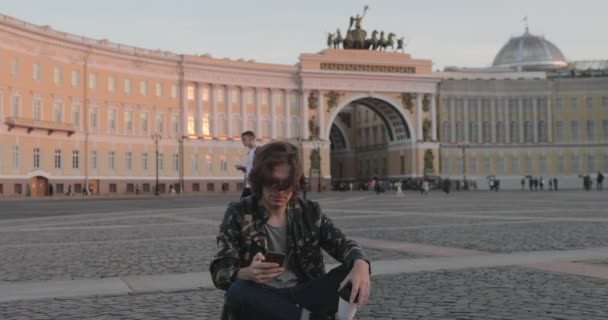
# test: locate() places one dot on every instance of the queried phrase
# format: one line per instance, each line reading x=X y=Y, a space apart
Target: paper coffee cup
x=346 y=310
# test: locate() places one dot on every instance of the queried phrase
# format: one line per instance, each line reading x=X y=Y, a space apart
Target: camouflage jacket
x=242 y=235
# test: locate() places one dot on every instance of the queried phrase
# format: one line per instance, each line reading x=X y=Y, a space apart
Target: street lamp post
x=156 y=137
x=463 y=147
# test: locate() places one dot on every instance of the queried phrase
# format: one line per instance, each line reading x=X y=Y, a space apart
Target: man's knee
x=237 y=292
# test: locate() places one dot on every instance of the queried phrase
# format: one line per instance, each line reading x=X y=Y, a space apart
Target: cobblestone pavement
x=45 y=240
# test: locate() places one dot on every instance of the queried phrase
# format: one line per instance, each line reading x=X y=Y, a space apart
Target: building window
x=112 y=119
x=250 y=97
x=487 y=137
x=574 y=104
x=500 y=165
x=295 y=126
x=459 y=131
x=37 y=112
x=576 y=164
x=37 y=72
x=500 y=132
x=574 y=131
x=605 y=129
x=528 y=136
x=58 y=111
x=515 y=165
x=543 y=164
x=591 y=163
x=75 y=78
x=57 y=75
x=75 y=159
x=529 y=168
x=160 y=123
x=542 y=131
x=560 y=131
x=159 y=89
x=559 y=104
x=514 y=132
x=176 y=162
x=175 y=126
x=94 y=118
x=196 y=187
x=112 y=188
x=145 y=123
x=196 y=164
x=76 y=116
x=473 y=137
x=561 y=164
x=219 y=94
x=111 y=160
x=143 y=88
x=473 y=165
x=16 y=106
x=144 y=161
x=161 y=161
x=191 y=129
x=605 y=162
x=251 y=123
x=36 y=161
x=15 y=67
x=205 y=91
x=223 y=164
x=93 y=81
x=111 y=84
x=445 y=165
x=236 y=124
x=590 y=130
x=16 y=157
x=129 y=161
x=94 y=160
x=190 y=93
x=210 y=187
x=129 y=121
x=235 y=96
x=18 y=188
x=174 y=91
x=128 y=86
x=487 y=165
x=209 y=160
x=57 y=158
x=589 y=104
x=206 y=130
x=605 y=104
x=445 y=131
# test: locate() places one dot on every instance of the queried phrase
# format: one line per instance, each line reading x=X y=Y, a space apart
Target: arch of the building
x=342 y=132
x=398 y=122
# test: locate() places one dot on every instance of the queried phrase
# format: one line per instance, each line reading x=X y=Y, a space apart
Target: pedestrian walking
x=399 y=190
x=555 y=184
x=550 y=184
x=425 y=187
x=542 y=183
x=523 y=184
x=600 y=181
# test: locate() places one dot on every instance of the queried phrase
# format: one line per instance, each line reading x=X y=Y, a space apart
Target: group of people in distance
x=269 y=256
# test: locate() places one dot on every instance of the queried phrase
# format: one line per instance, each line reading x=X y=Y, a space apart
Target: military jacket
x=242 y=235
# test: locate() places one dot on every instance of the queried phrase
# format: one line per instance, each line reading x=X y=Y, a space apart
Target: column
x=480 y=137
x=465 y=118
x=433 y=117
x=184 y=108
x=507 y=117
x=258 y=114
x=419 y=134
x=198 y=95
x=549 y=121
x=287 y=114
x=452 y=120
x=321 y=115
x=493 y=119
x=520 y=116
x=273 y=117
x=228 y=100
x=243 y=109
x=535 y=119
x=214 y=131
x=304 y=119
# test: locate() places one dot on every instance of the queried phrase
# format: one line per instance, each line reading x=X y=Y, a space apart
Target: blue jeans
x=259 y=301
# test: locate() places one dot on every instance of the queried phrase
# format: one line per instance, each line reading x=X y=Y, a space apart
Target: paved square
x=467 y=255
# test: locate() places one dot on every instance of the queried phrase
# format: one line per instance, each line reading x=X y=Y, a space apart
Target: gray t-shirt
x=277 y=242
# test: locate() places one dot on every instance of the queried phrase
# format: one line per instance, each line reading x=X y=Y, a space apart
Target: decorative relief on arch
x=312 y=100
x=426 y=103
x=333 y=98
x=407 y=101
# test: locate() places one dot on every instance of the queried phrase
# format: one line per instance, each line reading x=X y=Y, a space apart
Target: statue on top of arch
x=357 y=38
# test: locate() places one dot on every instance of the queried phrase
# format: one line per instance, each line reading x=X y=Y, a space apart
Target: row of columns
x=493 y=119
x=214 y=120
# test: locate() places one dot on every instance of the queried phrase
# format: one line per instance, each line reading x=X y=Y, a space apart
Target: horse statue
x=390 y=42
x=338 y=39
x=381 y=42
x=400 y=45
x=348 y=42
x=372 y=43
x=330 y=40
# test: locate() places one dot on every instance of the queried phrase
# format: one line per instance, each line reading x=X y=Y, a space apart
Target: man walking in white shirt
x=248 y=139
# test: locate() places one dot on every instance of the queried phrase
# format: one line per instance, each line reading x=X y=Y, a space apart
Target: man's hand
x=359 y=277
x=259 y=271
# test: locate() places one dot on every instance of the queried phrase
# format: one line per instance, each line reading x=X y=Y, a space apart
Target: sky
x=465 y=33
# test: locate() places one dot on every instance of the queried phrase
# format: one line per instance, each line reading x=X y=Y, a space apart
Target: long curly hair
x=267 y=158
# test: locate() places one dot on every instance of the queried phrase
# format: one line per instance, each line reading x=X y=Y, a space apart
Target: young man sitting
x=274 y=221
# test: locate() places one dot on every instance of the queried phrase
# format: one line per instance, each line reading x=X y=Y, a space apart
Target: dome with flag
x=530 y=52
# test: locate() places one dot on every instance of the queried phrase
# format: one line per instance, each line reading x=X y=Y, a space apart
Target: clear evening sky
x=450 y=32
